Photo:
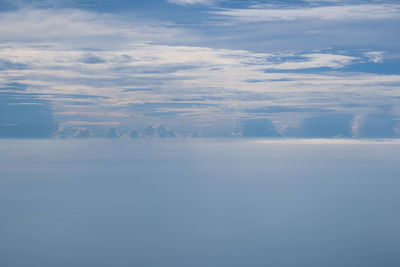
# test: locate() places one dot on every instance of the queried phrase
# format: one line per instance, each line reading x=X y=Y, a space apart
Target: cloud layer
x=334 y=12
x=191 y=2
x=110 y=75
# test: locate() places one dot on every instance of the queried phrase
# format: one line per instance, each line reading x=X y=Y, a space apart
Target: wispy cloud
x=316 y=60
x=331 y=12
x=90 y=66
x=375 y=56
x=94 y=30
x=191 y=2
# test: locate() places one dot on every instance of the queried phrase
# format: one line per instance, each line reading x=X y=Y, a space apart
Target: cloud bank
x=104 y=75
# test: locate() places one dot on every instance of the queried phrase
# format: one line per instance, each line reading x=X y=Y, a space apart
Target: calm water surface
x=198 y=203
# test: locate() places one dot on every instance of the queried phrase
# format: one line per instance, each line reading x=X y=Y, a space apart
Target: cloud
x=148 y=131
x=40 y=24
x=9 y=65
x=378 y=125
x=258 y=128
x=323 y=126
x=316 y=60
x=162 y=132
x=90 y=59
x=25 y=116
x=82 y=133
x=375 y=56
x=217 y=80
x=104 y=71
x=112 y=133
x=6 y=5
x=71 y=27
x=134 y=134
x=331 y=12
x=13 y=86
x=191 y=2
x=90 y=123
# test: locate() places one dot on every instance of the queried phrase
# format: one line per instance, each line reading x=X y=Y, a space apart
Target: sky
x=199 y=68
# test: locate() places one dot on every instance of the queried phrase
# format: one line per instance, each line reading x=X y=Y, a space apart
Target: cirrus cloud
x=332 y=12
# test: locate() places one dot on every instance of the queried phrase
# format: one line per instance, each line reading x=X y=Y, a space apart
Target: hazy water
x=198 y=203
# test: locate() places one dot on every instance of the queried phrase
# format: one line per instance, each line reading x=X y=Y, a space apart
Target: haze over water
x=199 y=203
x=199 y=133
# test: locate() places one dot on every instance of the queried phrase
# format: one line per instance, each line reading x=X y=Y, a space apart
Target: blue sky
x=199 y=68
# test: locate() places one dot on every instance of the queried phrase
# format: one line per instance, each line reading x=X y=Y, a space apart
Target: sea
x=200 y=203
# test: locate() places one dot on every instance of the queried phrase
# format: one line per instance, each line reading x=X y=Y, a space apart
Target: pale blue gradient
x=199 y=203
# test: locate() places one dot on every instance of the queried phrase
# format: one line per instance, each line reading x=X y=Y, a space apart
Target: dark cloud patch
x=268 y=80
x=162 y=109
x=67 y=132
x=299 y=70
x=90 y=59
x=139 y=89
x=139 y=81
x=254 y=81
x=162 y=132
x=7 y=5
x=134 y=134
x=197 y=135
x=377 y=126
x=148 y=131
x=69 y=99
x=24 y=116
x=280 y=80
x=82 y=133
x=8 y=65
x=258 y=128
x=129 y=81
x=279 y=109
x=353 y=105
x=325 y=126
x=78 y=96
x=160 y=69
x=78 y=103
x=199 y=98
x=13 y=86
x=164 y=114
x=112 y=133
x=145 y=106
x=124 y=58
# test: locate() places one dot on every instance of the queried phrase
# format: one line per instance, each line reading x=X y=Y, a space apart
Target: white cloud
x=336 y=12
x=28 y=24
x=375 y=56
x=316 y=60
x=356 y=125
x=191 y=2
x=134 y=55
x=66 y=26
x=209 y=73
